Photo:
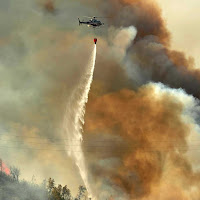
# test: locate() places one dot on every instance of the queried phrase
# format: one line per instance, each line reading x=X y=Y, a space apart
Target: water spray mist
x=74 y=120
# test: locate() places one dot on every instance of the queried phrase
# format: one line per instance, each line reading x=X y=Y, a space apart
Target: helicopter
x=93 y=22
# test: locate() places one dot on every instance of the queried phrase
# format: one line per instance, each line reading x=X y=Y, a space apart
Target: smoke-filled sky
x=182 y=18
x=141 y=136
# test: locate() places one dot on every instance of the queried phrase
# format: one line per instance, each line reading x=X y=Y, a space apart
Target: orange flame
x=5 y=169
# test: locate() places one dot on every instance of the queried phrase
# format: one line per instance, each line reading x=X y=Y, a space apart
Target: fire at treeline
x=13 y=188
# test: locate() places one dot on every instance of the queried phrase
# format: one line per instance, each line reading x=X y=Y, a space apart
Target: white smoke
x=190 y=116
x=121 y=40
x=74 y=120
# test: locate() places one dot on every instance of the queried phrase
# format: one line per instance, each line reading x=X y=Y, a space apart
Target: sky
x=182 y=19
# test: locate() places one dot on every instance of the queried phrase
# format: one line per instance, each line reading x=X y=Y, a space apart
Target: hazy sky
x=182 y=17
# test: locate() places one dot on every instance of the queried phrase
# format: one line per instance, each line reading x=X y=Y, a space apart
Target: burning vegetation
x=11 y=187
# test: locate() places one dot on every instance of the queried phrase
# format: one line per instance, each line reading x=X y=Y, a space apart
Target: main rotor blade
x=96 y=17
x=88 y=17
x=103 y=17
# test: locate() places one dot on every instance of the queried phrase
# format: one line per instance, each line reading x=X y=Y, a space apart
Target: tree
x=51 y=184
x=56 y=193
x=59 y=192
x=44 y=183
x=33 y=180
x=66 y=193
x=81 y=192
x=15 y=172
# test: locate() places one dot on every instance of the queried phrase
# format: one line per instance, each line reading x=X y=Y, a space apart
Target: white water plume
x=74 y=120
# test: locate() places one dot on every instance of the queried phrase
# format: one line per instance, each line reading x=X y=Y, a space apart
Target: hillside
x=14 y=190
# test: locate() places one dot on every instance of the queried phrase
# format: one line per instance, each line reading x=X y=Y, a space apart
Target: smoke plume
x=141 y=133
x=147 y=138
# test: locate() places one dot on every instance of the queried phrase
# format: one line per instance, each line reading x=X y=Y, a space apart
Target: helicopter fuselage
x=91 y=23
